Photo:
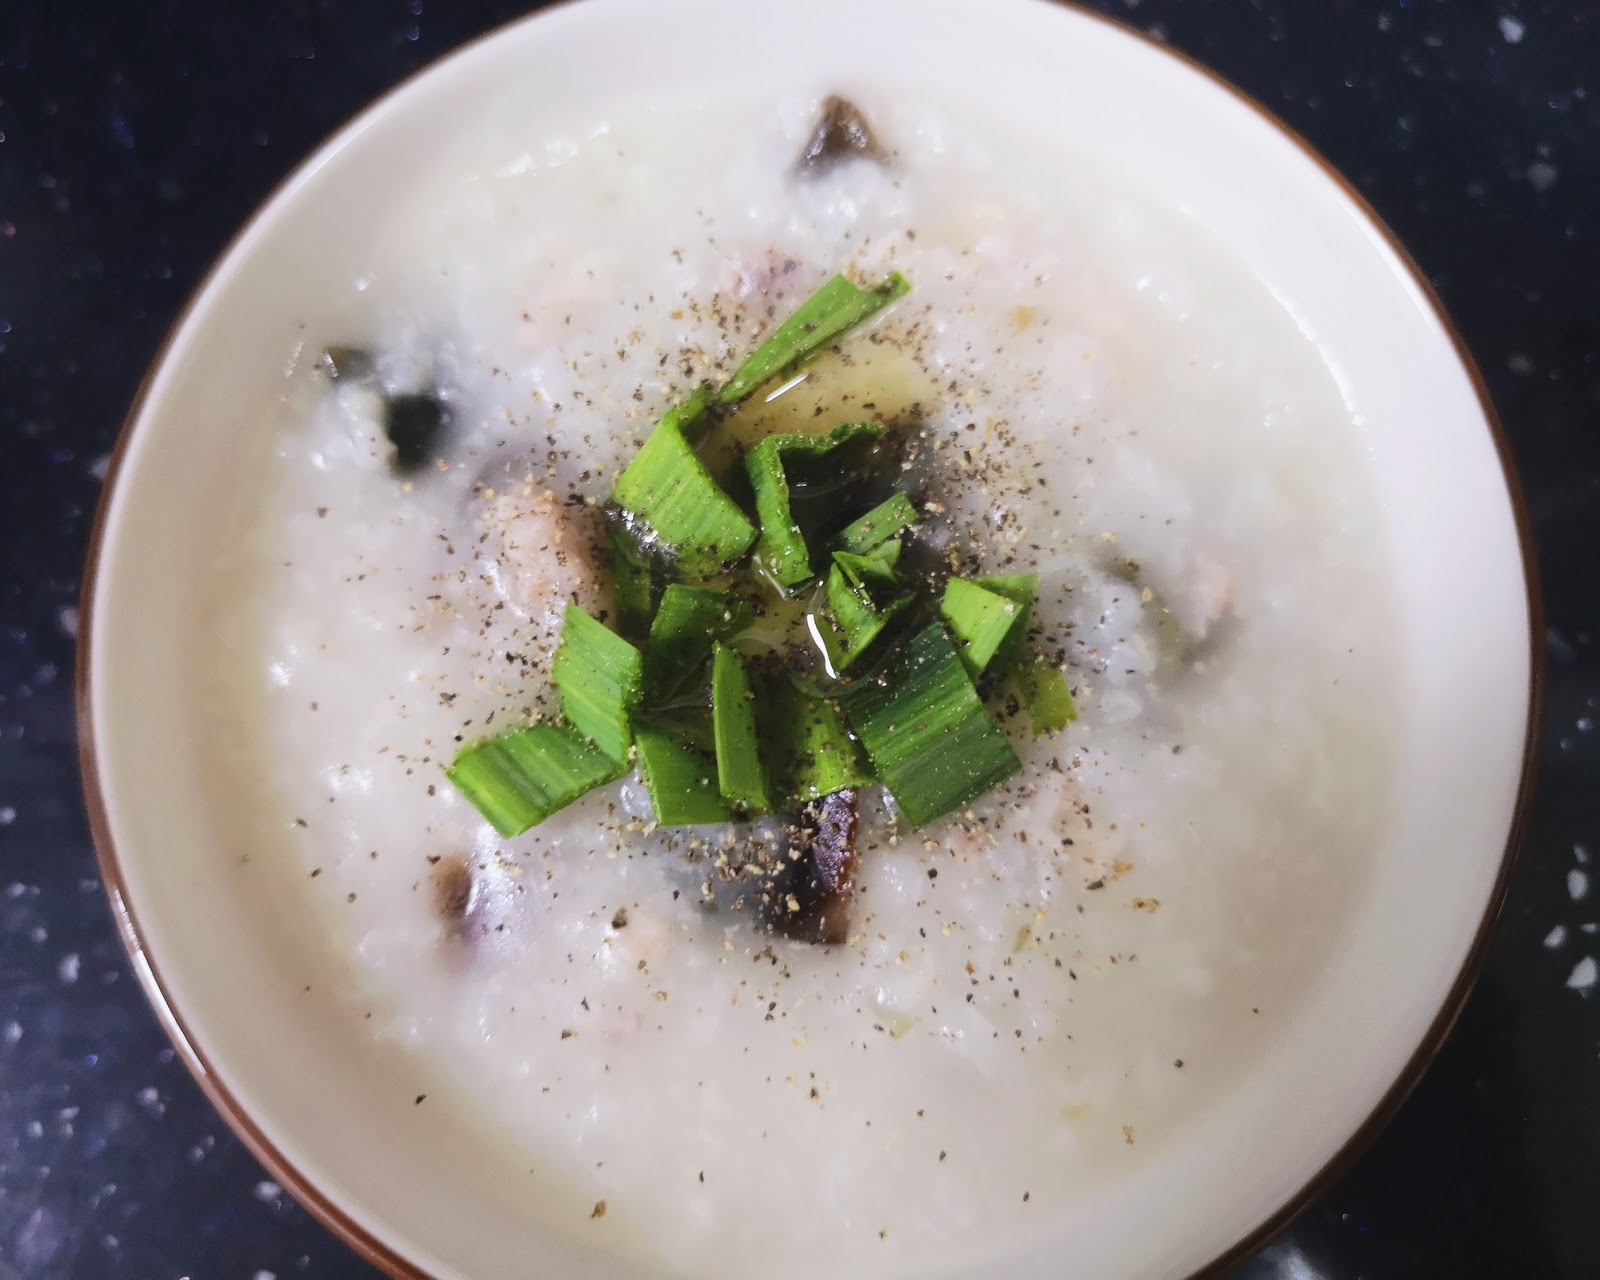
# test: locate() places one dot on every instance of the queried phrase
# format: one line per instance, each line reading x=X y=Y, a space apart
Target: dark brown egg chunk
x=414 y=421
x=842 y=133
x=453 y=896
x=809 y=899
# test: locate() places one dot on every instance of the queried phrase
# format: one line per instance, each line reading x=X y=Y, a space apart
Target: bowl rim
x=365 y=1243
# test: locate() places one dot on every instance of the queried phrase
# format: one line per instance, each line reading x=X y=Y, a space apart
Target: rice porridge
x=1027 y=997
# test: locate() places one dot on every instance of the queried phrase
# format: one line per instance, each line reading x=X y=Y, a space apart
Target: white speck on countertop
x=34 y=1129
x=150 y=1099
x=1542 y=175
x=266 y=1275
x=1584 y=974
x=267 y=1191
x=13 y=1031
x=38 y=934
x=67 y=970
x=100 y=466
x=67 y=619
x=16 y=889
x=1521 y=364
x=1512 y=29
x=1580 y=854
x=8 y=815
x=1577 y=885
x=1556 y=937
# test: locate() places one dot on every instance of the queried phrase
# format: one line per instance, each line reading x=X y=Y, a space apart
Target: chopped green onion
x=520 y=778
x=681 y=778
x=885 y=554
x=1020 y=589
x=837 y=306
x=599 y=676
x=740 y=777
x=871 y=574
x=687 y=623
x=935 y=746
x=856 y=585
x=1017 y=587
x=877 y=526
x=781 y=549
x=633 y=587
x=815 y=753
x=1044 y=692
x=986 y=615
x=673 y=508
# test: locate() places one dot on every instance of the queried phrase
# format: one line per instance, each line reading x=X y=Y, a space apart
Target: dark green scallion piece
x=599 y=676
x=988 y=617
x=680 y=776
x=838 y=306
x=740 y=775
x=689 y=621
x=520 y=778
x=814 y=753
x=781 y=548
x=875 y=528
x=672 y=509
x=934 y=745
x=863 y=598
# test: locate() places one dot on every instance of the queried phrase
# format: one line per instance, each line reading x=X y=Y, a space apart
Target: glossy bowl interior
x=329 y=1111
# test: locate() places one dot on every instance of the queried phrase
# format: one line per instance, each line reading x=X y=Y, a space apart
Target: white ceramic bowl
x=330 y=1115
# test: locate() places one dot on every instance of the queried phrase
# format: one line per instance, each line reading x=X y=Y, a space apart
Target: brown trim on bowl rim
x=145 y=968
x=373 y=1250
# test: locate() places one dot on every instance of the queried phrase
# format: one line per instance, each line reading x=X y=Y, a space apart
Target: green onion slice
x=689 y=621
x=600 y=677
x=871 y=574
x=839 y=305
x=1044 y=692
x=781 y=549
x=875 y=528
x=520 y=778
x=671 y=506
x=989 y=618
x=680 y=776
x=1020 y=589
x=863 y=598
x=740 y=775
x=634 y=588
x=935 y=746
x=814 y=752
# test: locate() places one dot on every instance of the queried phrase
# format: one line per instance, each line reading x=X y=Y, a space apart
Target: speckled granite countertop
x=134 y=138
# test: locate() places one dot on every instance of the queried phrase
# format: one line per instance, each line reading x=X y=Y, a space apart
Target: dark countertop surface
x=136 y=137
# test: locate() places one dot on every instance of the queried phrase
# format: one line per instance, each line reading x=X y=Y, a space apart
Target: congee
x=824 y=663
